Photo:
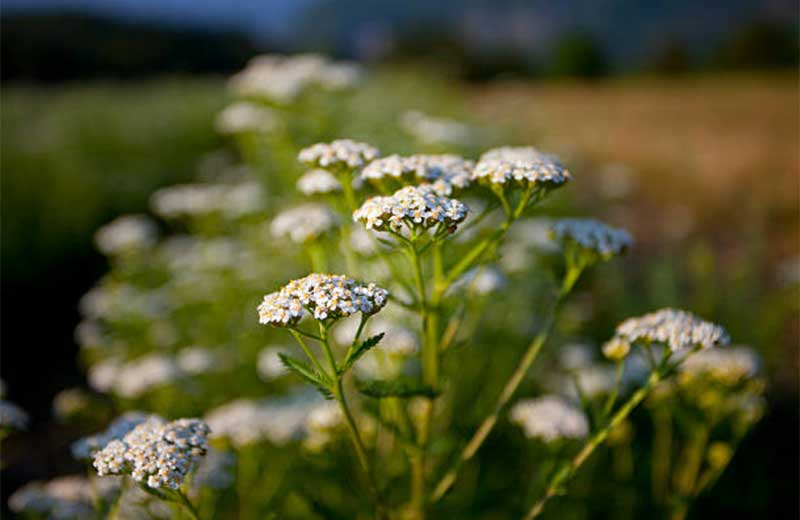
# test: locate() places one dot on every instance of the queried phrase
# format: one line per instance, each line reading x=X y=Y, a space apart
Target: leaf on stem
x=403 y=387
x=319 y=381
x=362 y=349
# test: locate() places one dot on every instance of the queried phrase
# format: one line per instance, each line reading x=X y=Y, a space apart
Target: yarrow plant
x=445 y=325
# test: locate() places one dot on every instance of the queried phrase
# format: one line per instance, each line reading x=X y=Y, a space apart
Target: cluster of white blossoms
x=524 y=166
x=156 y=452
x=437 y=130
x=283 y=78
x=445 y=172
x=12 y=416
x=86 y=447
x=410 y=207
x=243 y=117
x=70 y=497
x=304 y=223
x=727 y=366
x=550 y=418
x=339 y=154
x=679 y=330
x=325 y=296
x=278 y=420
x=592 y=235
x=125 y=234
x=231 y=200
x=318 y=181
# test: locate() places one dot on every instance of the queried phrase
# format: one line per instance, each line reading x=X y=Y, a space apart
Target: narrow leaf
x=401 y=387
x=302 y=369
x=359 y=351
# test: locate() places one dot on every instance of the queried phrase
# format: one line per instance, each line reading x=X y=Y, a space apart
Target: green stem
x=471 y=258
x=430 y=375
x=187 y=504
x=296 y=333
x=568 y=470
x=508 y=391
x=612 y=398
x=662 y=452
x=355 y=436
x=687 y=475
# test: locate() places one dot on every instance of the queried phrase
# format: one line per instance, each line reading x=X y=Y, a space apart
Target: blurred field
x=710 y=166
x=704 y=170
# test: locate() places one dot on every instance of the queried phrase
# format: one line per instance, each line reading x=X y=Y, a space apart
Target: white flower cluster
x=412 y=206
x=437 y=130
x=283 y=78
x=325 y=296
x=339 y=154
x=244 y=117
x=679 y=330
x=727 y=366
x=156 y=452
x=191 y=200
x=524 y=166
x=279 y=420
x=304 y=223
x=12 y=416
x=550 y=418
x=592 y=235
x=86 y=447
x=445 y=172
x=125 y=234
x=318 y=181
x=63 y=498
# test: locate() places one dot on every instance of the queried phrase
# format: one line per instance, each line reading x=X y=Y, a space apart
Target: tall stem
x=187 y=504
x=355 y=436
x=569 y=469
x=509 y=389
x=430 y=375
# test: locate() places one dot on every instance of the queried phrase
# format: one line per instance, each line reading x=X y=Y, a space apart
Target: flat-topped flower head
x=324 y=296
x=676 y=329
x=728 y=366
x=446 y=172
x=411 y=207
x=591 y=236
x=550 y=418
x=156 y=453
x=304 y=223
x=520 y=166
x=86 y=447
x=318 y=181
x=12 y=416
x=342 y=154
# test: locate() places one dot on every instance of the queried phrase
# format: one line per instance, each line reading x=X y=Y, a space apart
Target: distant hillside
x=71 y=46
